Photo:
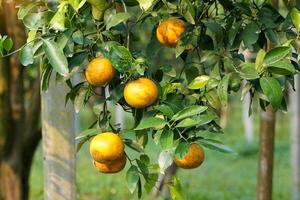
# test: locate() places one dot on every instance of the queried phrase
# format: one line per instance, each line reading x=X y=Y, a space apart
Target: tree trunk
x=247 y=120
x=58 y=144
x=10 y=167
x=162 y=182
x=295 y=140
x=266 y=146
x=18 y=128
x=120 y=116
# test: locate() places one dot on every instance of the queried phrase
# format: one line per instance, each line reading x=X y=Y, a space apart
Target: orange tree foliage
x=206 y=36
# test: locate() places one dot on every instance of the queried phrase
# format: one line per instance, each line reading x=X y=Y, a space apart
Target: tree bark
x=295 y=140
x=58 y=144
x=266 y=147
x=16 y=150
x=163 y=180
x=10 y=168
x=247 y=120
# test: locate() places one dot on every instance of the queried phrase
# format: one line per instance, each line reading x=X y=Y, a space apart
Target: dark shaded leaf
x=272 y=90
x=132 y=178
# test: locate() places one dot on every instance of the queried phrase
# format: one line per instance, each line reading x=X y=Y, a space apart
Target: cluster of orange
x=107 y=149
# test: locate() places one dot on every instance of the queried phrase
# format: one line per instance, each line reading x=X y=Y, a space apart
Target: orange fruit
x=140 y=93
x=168 y=32
x=112 y=167
x=193 y=158
x=99 y=72
x=106 y=147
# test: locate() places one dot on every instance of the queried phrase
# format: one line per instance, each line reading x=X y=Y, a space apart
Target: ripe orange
x=168 y=32
x=193 y=158
x=140 y=93
x=106 y=147
x=99 y=72
x=112 y=167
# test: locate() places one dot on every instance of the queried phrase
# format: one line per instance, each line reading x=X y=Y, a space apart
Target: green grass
x=222 y=176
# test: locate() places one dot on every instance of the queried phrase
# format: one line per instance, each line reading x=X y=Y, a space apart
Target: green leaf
x=46 y=75
x=117 y=19
x=248 y=71
x=133 y=144
x=98 y=8
x=176 y=190
x=259 y=60
x=26 y=55
x=272 y=90
x=276 y=55
x=165 y=160
x=132 y=178
x=145 y=159
x=188 y=112
x=196 y=121
x=166 y=110
x=140 y=189
x=232 y=33
x=179 y=49
x=145 y=4
x=56 y=57
x=215 y=145
x=24 y=10
x=223 y=90
x=34 y=21
x=199 y=82
x=84 y=136
x=250 y=34
x=213 y=99
x=7 y=44
x=79 y=99
x=64 y=37
x=215 y=31
x=181 y=150
x=77 y=4
x=187 y=11
x=166 y=139
x=282 y=67
x=120 y=58
x=295 y=15
x=58 y=20
x=150 y=122
x=272 y=36
x=151 y=182
x=78 y=37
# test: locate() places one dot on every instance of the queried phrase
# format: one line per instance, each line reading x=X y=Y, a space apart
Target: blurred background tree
x=19 y=111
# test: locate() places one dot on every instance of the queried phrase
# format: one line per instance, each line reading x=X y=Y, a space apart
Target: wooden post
x=58 y=144
x=247 y=120
x=161 y=187
x=295 y=140
x=266 y=149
